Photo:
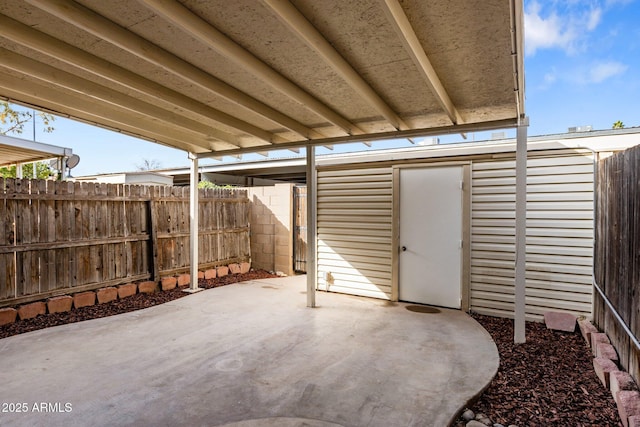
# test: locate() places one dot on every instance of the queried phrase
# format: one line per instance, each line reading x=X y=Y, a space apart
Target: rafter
x=93 y=23
x=45 y=44
x=401 y=23
x=79 y=107
x=298 y=23
x=179 y=15
x=103 y=94
x=517 y=49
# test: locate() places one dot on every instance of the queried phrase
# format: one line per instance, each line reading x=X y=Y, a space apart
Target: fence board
x=617 y=252
x=59 y=237
x=300 y=229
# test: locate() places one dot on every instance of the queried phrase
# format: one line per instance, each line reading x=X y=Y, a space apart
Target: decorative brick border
x=107 y=294
x=60 y=304
x=8 y=315
x=127 y=290
x=64 y=303
x=168 y=283
x=623 y=389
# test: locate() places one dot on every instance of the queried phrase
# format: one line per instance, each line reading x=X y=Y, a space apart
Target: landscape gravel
x=547 y=381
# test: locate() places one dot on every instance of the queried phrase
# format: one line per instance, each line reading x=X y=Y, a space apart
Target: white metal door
x=430 y=260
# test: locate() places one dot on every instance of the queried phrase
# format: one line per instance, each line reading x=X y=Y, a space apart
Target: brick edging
x=65 y=303
x=605 y=363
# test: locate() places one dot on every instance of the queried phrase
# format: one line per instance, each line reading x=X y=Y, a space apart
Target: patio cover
x=17 y=150
x=221 y=77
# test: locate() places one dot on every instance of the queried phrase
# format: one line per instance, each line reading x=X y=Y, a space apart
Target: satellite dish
x=73 y=161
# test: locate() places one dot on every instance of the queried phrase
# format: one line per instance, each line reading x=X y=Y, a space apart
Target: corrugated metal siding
x=559 y=235
x=355 y=231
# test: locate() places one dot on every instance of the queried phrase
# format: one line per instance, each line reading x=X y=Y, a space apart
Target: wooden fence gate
x=300 y=229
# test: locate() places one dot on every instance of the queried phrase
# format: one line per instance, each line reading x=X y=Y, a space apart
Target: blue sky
x=582 y=67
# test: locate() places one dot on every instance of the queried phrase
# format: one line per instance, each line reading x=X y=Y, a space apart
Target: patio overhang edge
x=403 y=134
x=25 y=151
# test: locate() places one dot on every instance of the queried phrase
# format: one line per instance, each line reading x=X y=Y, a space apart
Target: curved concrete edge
x=211 y=358
x=476 y=396
x=281 y=422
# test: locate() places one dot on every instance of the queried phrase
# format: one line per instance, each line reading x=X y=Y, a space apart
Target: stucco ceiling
x=225 y=77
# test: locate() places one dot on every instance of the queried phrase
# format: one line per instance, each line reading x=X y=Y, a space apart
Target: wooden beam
x=96 y=24
x=47 y=45
x=103 y=94
x=517 y=53
x=182 y=17
x=299 y=24
x=76 y=106
x=403 y=27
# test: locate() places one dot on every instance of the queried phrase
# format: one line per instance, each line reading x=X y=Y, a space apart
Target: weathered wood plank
x=154 y=248
x=617 y=252
x=68 y=235
x=7 y=240
x=74 y=244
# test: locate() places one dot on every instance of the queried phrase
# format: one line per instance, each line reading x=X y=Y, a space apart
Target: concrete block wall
x=272 y=227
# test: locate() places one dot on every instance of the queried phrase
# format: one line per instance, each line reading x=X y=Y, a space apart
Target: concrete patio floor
x=250 y=354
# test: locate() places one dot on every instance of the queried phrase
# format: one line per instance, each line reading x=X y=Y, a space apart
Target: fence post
x=153 y=235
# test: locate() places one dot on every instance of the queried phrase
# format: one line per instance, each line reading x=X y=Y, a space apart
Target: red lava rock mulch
x=132 y=303
x=548 y=381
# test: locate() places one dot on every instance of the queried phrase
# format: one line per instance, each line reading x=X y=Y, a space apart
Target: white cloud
x=594 y=73
x=542 y=33
x=550 y=78
x=604 y=70
x=594 y=18
x=610 y=3
x=561 y=25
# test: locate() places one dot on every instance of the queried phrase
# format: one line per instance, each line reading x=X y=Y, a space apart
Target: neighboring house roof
x=17 y=150
x=294 y=169
x=139 y=178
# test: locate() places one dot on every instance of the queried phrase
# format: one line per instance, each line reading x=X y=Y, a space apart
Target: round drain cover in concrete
x=422 y=309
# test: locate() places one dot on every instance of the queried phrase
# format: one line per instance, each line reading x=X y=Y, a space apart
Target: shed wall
x=559 y=235
x=355 y=244
x=355 y=231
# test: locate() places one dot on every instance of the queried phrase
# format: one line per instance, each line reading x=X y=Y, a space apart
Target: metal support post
x=519 y=335
x=311 y=226
x=193 y=223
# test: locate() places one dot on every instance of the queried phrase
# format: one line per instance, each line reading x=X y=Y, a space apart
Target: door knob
x=404 y=249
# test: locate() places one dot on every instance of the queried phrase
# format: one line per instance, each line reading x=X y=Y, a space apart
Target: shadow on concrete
x=251 y=354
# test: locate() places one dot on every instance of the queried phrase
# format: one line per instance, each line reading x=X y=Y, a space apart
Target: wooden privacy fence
x=617 y=254
x=300 y=229
x=64 y=237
